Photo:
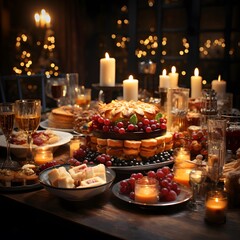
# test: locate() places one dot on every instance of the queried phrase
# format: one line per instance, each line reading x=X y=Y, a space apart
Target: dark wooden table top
x=112 y=218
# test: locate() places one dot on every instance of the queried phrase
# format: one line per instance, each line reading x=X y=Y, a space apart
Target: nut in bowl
x=77 y=183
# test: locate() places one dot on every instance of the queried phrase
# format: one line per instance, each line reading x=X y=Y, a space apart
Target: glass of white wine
x=27 y=116
x=7 y=117
x=197 y=178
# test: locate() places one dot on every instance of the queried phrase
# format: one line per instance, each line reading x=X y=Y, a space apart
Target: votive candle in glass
x=216 y=206
x=43 y=155
x=147 y=190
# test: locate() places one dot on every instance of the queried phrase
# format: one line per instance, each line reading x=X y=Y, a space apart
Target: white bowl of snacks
x=77 y=183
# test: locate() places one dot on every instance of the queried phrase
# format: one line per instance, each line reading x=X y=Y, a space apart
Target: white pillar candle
x=173 y=75
x=196 y=84
x=219 y=86
x=164 y=80
x=107 y=71
x=130 y=89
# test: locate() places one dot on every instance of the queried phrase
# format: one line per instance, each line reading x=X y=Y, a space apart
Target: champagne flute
x=196 y=179
x=27 y=116
x=56 y=88
x=6 y=124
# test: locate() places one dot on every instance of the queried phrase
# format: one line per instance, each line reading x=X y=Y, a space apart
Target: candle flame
x=37 y=17
x=43 y=19
x=164 y=72
x=196 y=72
x=107 y=55
x=216 y=200
x=219 y=78
x=173 y=69
x=130 y=77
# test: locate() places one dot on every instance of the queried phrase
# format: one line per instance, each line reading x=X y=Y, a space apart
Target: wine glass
x=196 y=179
x=7 y=116
x=56 y=88
x=27 y=116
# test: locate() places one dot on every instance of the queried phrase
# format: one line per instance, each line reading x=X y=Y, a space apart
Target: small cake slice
x=92 y=182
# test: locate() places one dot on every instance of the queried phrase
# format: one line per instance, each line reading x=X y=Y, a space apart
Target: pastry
x=6 y=177
x=101 y=145
x=131 y=148
x=120 y=109
x=114 y=147
x=148 y=147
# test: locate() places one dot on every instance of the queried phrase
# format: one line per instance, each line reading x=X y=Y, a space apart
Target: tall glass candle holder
x=216 y=148
x=177 y=108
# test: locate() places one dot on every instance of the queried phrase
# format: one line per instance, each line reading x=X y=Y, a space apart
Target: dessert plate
x=44 y=125
x=20 y=150
x=21 y=188
x=184 y=196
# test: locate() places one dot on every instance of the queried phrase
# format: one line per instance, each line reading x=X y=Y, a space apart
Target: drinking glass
x=56 y=88
x=84 y=97
x=196 y=180
x=27 y=116
x=72 y=87
x=7 y=116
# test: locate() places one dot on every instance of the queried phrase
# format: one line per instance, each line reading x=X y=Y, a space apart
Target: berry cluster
x=131 y=125
x=47 y=165
x=85 y=155
x=168 y=188
x=196 y=141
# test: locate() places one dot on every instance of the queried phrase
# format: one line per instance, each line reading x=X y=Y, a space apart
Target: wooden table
x=106 y=217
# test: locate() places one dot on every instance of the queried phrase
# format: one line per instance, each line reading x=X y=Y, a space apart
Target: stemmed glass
x=56 y=88
x=7 y=116
x=27 y=116
x=196 y=179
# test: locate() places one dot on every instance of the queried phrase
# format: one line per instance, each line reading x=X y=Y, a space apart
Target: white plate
x=44 y=125
x=20 y=151
x=184 y=196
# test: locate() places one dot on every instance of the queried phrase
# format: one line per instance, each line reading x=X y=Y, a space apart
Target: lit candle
x=107 y=71
x=219 y=86
x=181 y=176
x=215 y=207
x=37 y=19
x=181 y=154
x=43 y=155
x=164 y=80
x=196 y=84
x=173 y=75
x=130 y=89
x=146 y=190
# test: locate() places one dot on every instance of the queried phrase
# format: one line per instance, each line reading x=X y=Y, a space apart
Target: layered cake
x=129 y=129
